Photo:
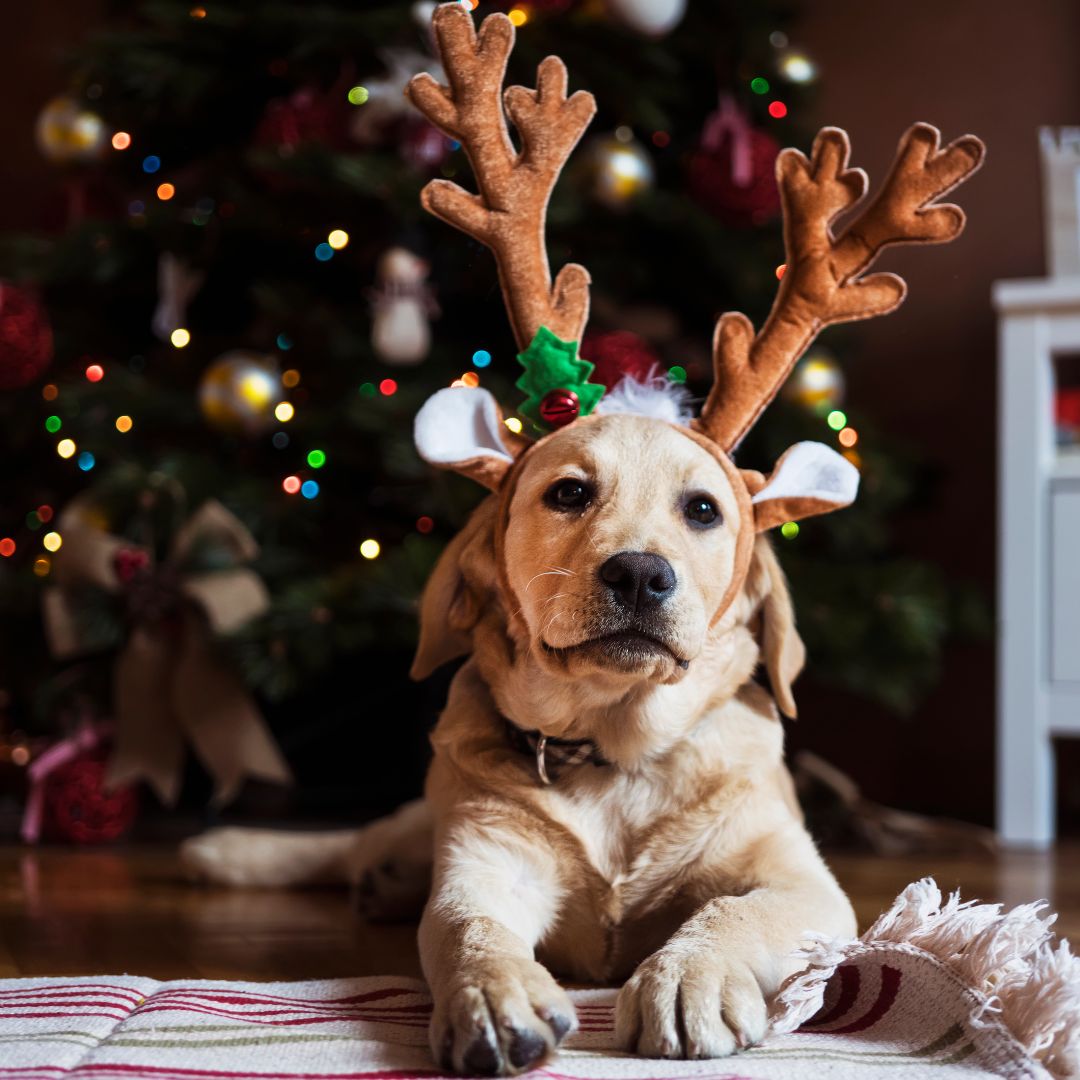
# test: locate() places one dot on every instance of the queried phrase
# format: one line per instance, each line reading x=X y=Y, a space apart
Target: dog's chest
x=638 y=848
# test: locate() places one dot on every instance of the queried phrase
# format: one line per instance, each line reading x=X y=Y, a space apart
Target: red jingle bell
x=559 y=407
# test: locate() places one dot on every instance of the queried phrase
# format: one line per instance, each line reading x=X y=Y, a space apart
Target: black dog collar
x=551 y=754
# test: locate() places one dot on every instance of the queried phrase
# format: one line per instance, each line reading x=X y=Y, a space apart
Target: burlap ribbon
x=169 y=683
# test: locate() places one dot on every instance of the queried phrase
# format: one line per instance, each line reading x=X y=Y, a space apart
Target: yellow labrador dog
x=654 y=835
x=608 y=798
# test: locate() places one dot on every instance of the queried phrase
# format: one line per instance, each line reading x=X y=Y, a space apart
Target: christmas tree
x=208 y=378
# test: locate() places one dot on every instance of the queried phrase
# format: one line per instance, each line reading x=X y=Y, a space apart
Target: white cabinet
x=1038 y=555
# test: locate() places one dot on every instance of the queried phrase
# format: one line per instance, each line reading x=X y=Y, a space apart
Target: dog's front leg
x=496 y=1010
x=703 y=994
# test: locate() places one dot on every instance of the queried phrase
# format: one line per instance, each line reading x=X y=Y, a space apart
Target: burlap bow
x=169 y=683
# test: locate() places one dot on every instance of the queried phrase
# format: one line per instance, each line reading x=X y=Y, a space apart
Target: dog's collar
x=551 y=754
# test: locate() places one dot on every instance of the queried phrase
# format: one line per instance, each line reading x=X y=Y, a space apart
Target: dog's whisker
x=562 y=595
x=557 y=596
x=544 y=573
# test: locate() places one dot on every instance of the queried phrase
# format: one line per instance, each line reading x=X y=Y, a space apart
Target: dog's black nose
x=640 y=581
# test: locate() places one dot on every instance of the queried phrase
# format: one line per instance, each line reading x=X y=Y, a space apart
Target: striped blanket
x=900 y=1002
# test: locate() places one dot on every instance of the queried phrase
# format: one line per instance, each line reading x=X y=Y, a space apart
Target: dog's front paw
x=688 y=1002
x=500 y=1019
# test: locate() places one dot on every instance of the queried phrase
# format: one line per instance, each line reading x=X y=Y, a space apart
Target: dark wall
x=927 y=373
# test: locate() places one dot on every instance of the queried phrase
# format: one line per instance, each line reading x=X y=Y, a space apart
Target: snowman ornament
x=403 y=307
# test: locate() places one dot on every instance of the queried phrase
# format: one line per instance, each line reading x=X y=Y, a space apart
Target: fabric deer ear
x=782 y=650
x=809 y=479
x=462 y=428
x=451 y=604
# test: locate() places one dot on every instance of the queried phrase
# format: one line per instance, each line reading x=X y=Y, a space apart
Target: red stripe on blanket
x=247 y=1010
x=43 y=1015
x=72 y=988
x=389 y=1011
x=167 y=1071
x=46 y=1003
x=890 y=986
x=849 y=991
x=239 y=997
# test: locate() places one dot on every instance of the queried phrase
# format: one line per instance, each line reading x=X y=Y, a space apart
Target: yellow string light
x=66 y=448
x=180 y=337
x=284 y=411
x=52 y=541
x=338 y=239
x=370 y=549
x=514 y=424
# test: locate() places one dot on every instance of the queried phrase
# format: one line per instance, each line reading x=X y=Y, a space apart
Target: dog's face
x=623 y=569
x=622 y=546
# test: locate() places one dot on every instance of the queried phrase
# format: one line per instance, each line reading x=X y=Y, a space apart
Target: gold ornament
x=239 y=390
x=619 y=169
x=817 y=383
x=67 y=132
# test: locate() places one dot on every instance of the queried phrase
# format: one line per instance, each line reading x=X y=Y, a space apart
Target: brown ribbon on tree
x=169 y=682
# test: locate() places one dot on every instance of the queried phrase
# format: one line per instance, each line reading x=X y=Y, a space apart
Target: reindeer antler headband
x=825 y=282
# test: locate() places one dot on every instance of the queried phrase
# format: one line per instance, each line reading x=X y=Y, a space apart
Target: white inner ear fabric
x=812 y=470
x=459 y=423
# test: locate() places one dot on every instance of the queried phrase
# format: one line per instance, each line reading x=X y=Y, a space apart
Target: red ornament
x=422 y=145
x=733 y=174
x=79 y=809
x=26 y=341
x=1067 y=406
x=559 y=407
x=617 y=354
x=306 y=116
x=129 y=563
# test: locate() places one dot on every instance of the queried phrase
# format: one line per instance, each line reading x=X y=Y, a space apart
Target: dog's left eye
x=701 y=511
x=568 y=495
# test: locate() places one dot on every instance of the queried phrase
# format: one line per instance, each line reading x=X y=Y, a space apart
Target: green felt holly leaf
x=553 y=364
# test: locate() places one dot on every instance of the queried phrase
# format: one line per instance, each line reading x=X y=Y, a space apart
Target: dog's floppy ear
x=808 y=479
x=461 y=428
x=454 y=594
x=782 y=650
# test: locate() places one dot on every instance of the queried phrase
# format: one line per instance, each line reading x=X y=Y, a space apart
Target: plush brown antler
x=509 y=212
x=823 y=282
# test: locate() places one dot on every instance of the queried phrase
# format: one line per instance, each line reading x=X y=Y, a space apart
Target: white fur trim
x=457 y=424
x=656 y=396
x=811 y=470
x=1018 y=979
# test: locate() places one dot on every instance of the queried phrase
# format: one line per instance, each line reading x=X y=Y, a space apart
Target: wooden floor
x=68 y=912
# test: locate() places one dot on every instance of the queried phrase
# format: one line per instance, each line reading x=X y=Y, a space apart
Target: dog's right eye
x=568 y=495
